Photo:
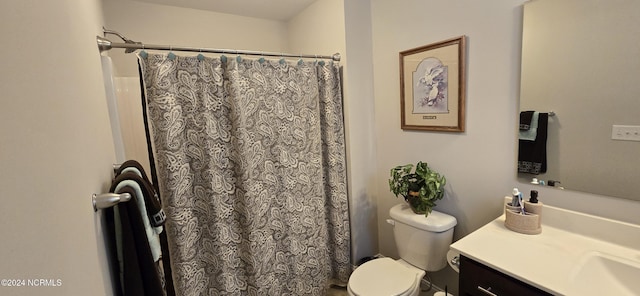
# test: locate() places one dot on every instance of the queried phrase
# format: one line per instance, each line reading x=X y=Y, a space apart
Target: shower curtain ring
x=200 y=55
x=171 y=55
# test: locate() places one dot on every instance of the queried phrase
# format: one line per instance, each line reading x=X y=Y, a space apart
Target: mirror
x=581 y=60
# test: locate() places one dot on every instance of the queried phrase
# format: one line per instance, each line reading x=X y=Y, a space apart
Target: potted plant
x=421 y=187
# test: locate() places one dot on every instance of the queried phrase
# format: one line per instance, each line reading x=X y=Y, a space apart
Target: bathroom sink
x=576 y=254
x=604 y=274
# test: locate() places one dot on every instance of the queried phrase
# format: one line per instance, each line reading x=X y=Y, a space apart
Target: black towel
x=156 y=216
x=152 y=202
x=532 y=155
x=139 y=275
x=525 y=120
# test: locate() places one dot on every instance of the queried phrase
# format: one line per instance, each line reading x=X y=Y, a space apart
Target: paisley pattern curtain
x=252 y=173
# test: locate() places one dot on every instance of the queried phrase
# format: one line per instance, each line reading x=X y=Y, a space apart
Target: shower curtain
x=251 y=164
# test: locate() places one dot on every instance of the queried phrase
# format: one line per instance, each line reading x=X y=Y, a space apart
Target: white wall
x=480 y=163
x=477 y=163
x=128 y=98
x=169 y=25
x=360 y=118
x=56 y=148
x=318 y=29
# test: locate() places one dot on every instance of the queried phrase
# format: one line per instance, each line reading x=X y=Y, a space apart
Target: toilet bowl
x=422 y=243
x=385 y=276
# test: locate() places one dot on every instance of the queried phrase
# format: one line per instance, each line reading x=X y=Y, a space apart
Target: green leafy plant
x=420 y=187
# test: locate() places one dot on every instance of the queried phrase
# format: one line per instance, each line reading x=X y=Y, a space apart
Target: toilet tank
x=422 y=241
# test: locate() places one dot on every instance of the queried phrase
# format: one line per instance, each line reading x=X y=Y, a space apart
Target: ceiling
x=280 y=10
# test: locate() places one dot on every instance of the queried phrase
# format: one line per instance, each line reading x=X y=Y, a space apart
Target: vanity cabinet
x=479 y=280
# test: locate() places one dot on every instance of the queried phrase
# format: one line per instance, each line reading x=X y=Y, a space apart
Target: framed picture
x=432 y=86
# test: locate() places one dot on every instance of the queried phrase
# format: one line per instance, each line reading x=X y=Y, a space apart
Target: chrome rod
x=107 y=200
x=105 y=44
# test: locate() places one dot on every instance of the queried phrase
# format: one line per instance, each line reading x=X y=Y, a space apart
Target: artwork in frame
x=432 y=86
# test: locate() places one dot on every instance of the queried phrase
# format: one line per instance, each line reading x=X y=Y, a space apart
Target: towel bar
x=107 y=200
x=116 y=167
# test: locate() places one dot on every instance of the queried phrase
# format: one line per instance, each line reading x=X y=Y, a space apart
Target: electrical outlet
x=626 y=132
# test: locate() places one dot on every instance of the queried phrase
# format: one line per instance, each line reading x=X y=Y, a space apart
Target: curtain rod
x=130 y=46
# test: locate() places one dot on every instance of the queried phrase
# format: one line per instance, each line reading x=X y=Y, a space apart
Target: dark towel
x=532 y=155
x=133 y=164
x=525 y=120
x=152 y=202
x=156 y=216
x=139 y=274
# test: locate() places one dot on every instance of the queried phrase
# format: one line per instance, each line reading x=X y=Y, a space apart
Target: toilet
x=423 y=243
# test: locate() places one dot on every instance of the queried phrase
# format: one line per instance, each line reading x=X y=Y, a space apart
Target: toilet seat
x=383 y=276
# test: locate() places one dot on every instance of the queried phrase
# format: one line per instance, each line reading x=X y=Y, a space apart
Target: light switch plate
x=626 y=132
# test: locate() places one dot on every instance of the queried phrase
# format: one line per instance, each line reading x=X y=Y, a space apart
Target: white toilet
x=422 y=242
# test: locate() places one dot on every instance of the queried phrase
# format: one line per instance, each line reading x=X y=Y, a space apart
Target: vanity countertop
x=551 y=260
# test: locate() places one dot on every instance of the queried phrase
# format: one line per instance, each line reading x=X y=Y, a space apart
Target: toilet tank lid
x=435 y=221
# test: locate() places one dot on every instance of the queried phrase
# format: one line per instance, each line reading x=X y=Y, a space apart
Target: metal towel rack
x=107 y=200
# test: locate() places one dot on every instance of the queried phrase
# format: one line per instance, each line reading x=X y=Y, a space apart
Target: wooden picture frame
x=432 y=86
